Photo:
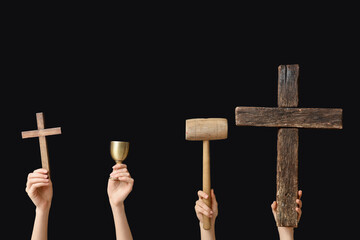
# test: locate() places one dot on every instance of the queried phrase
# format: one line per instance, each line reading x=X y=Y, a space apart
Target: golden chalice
x=119 y=150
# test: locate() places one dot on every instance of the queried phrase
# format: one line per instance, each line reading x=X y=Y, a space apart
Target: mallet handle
x=206 y=180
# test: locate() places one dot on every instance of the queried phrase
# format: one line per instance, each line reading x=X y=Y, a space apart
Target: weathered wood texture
x=330 y=118
x=288 y=118
x=287 y=176
x=287 y=150
x=288 y=85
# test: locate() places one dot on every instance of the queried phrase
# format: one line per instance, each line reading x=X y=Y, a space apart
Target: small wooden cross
x=41 y=133
x=288 y=118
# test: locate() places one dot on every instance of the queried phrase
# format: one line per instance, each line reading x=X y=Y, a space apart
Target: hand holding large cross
x=288 y=118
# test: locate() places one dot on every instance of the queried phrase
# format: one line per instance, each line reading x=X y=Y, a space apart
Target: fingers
x=213 y=197
x=274 y=206
x=298 y=210
x=214 y=203
x=36 y=179
x=120 y=172
x=119 y=166
x=202 y=195
x=117 y=174
x=201 y=207
x=299 y=194
x=41 y=170
x=38 y=173
x=126 y=179
x=122 y=177
x=299 y=203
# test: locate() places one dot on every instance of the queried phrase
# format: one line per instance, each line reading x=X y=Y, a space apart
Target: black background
x=138 y=79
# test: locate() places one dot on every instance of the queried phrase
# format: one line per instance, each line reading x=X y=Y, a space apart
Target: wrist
x=119 y=206
x=207 y=234
x=115 y=202
x=42 y=210
x=286 y=233
x=212 y=227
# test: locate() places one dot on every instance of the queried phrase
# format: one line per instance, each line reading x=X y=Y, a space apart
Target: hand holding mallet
x=206 y=129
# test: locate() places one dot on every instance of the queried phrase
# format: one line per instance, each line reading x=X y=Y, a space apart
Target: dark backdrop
x=139 y=82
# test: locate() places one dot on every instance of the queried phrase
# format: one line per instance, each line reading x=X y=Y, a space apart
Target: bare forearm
x=207 y=234
x=40 y=229
x=286 y=233
x=122 y=228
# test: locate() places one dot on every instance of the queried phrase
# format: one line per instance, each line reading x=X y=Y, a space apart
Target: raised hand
x=297 y=209
x=202 y=209
x=287 y=233
x=39 y=188
x=120 y=184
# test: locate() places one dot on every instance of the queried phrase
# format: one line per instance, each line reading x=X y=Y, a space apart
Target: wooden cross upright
x=288 y=118
x=41 y=133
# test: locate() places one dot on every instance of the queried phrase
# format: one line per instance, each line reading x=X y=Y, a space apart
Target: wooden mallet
x=206 y=129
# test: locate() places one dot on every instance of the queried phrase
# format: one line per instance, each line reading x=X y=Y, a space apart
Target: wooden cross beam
x=288 y=118
x=41 y=133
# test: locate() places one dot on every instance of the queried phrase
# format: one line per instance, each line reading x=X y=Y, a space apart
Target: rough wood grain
x=287 y=150
x=288 y=117
x=288 y=85
x=287 y=176
x=330 y=118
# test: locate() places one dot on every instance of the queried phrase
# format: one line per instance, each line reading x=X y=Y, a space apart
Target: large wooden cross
x=41 y=133
x=288 y=118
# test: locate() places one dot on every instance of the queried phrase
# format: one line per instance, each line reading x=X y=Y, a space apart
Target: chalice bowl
x=119 y=150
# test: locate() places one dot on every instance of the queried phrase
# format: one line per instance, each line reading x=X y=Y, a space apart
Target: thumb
x=213 y=199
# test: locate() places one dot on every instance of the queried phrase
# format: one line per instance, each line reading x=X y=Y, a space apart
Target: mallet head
x=202 y=129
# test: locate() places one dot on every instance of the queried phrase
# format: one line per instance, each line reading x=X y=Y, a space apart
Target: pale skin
x=39 y=189
x=201 y=209
x=287 y=233
x=120 y=185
